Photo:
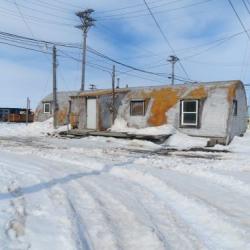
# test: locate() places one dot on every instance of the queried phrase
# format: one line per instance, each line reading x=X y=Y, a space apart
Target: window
x=189 y=113
x=235 y=107
x=137 y=108
x=46 y=108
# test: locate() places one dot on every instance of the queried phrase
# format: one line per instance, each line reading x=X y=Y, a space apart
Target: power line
x=127 y=16
x=26 y=48
x=218 y=43
x=40 y=11
x=245 y=4
x=23 y=18
x=129 y=7
x=34 y=19
x=138 y=11
x=53 y=6
x=121 y=63
x=34 y=42
x=164 y=36
x=239 y=19
x=95 y=52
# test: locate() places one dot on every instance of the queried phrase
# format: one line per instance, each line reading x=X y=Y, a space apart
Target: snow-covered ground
x=103 y=193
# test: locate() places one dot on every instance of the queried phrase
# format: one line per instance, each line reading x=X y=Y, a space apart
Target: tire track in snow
x=132 y=232
x=91 y=218
x=223 y=200
x=168 y=226
x=82 y=237
x=222 y=180
x=215 y=232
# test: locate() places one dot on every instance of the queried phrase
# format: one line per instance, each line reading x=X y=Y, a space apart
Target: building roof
x=60 y=94
x=207 y=85
x=100 y=92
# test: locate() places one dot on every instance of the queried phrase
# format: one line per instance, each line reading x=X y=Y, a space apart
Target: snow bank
x=182 y=141
x=120 y=125
x=178 y=139
x=32 y=129
x=239 y=144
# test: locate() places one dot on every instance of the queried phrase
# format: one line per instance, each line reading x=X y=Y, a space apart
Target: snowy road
x=98 y=193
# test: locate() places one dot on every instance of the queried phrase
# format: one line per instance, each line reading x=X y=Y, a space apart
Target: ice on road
x=99 y=193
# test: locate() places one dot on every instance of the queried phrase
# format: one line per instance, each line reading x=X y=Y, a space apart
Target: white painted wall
x=214 y=115
x=91 y=113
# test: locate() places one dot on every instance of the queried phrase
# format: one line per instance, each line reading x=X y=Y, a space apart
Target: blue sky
x=126 y=32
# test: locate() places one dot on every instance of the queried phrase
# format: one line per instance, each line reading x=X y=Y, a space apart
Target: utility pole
x=55 y=107
x=173 y=60
x=118 y=83
x=113 y=94
x=92 y=86
x=27 y=110
x=86 y=23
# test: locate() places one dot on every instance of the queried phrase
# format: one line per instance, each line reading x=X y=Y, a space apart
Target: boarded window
x=137 y=108
x=189 y=113
x=235 y=107
x=46 y=108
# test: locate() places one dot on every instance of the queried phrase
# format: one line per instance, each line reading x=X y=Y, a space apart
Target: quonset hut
x=216 y=110
x=44 y=109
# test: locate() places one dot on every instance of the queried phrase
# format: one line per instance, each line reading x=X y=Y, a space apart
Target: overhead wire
x=239 y=19
x=164 y=36
x=35 y=19
x=133 y=16
x=130 y=6
x=40 y=11
x=138 y=11
x=246 y=6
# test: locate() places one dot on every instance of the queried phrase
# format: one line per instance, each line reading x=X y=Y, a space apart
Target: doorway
x=91 y=113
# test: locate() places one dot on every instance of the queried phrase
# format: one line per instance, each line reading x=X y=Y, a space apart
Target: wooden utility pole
x=55 y=107
x=86 y=23
x=113 y=94
x=27 y=110
x=173 y=60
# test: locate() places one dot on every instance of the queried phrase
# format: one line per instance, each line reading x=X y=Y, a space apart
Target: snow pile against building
x=32 y=129
x=177 y=139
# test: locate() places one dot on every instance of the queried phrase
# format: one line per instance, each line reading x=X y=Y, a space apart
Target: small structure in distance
x=15 y=115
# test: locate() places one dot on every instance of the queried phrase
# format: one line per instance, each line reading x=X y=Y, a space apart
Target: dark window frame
x=197 y=112
x=143 y=107
x=235 y=107
x=44 y=108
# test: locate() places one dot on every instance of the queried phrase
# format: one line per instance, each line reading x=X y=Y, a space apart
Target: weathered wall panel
x=237 y=125
x=63 y=105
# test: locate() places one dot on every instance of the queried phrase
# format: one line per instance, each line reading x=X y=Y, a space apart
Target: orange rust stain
x=198 y=93
x=62 y=116
x=73 y=120
x=231 y=92
x=163 y=100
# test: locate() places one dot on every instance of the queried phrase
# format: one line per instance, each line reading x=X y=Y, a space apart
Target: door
x=91 y=113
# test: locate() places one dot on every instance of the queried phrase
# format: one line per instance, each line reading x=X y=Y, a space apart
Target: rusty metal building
x=44 y=109
x=215 y=110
